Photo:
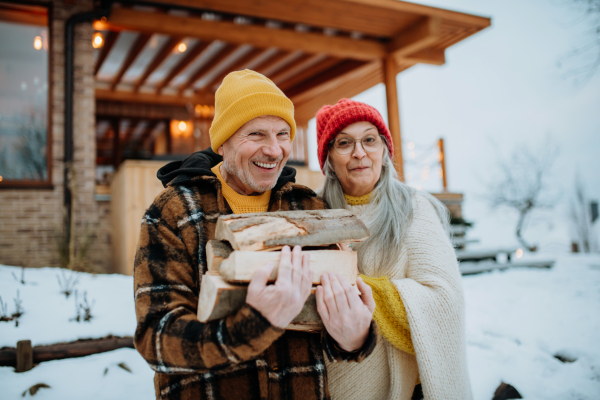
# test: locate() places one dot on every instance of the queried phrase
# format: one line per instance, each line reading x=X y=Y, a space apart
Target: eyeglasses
x=346 y=145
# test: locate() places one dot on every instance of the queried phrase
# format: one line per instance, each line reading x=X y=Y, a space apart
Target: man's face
x=254 y=156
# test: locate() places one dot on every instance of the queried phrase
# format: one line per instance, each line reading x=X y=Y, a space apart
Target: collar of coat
x=199 y=164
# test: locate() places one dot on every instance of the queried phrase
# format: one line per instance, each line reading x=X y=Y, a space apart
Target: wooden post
x=116 y=122
x=305 y=141
x=443 y=164
x=24 y=356
x=168 y=136
x=391 y=94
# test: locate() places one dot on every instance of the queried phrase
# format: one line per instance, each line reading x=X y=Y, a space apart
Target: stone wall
x=29 y=218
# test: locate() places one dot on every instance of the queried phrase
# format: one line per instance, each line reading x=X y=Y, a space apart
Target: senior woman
x=408 y=261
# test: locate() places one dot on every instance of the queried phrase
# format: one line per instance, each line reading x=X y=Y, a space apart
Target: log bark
x=24 y=356
x=273 y=230
x=79 y=348
x=241 y=265
x=216 y=252
x=219 y=299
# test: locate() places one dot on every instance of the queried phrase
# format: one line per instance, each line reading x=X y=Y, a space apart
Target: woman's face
x=359 y=171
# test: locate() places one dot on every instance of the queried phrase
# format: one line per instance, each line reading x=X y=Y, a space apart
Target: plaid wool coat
x=239 y=357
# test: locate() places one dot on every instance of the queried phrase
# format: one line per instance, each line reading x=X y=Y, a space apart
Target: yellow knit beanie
x=245 y=95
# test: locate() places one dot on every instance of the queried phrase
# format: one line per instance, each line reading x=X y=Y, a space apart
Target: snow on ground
x=517 y=321
x=84 y=378
x=47 y=315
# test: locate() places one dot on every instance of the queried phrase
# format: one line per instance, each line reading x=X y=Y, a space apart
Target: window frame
x=26 y=14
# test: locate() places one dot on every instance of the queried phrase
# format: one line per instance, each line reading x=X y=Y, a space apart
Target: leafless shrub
x=521 y=183
x=83 y=309
x=68 y=282
x=4 y=316
x=18 y=309
x=581 y=219
x=22 y=280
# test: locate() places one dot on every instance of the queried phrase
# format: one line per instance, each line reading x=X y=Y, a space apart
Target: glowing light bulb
x=97 y=40
x=182 y=125
x=1 y=178
x=182 y=47
x=37 y=43
x=519 y=253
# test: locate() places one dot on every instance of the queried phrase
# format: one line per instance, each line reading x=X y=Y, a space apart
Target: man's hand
x=346 y=315
x=282 y=302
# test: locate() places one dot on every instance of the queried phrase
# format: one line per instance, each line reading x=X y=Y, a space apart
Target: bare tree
x=581 y=219
x=583 y=61
x=521 y=183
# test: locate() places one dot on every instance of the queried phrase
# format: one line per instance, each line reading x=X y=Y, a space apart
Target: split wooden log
x=273 y=230
x=219 y=299
x=216 y=252
x=240 y=266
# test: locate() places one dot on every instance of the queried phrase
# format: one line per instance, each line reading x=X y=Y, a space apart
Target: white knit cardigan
x=429 y=283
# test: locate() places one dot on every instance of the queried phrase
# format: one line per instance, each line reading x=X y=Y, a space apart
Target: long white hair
x=389 y=213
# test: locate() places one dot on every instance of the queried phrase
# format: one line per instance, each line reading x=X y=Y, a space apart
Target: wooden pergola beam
x=415 y=38
x=247 y=59
x=158 y=59
x=374 y=17
x=211 y=64
x=109 y=41
x=257 y=36
x=309 y=73
x=306 y=61
x=186 y=60
x=153 y=98
x=272 y=60
x=133 y=53
x=427 y=56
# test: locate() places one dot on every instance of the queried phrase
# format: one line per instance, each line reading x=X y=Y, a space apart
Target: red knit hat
x=332 y=119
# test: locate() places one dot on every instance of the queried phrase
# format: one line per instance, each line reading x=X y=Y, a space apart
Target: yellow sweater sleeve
x=390 y=313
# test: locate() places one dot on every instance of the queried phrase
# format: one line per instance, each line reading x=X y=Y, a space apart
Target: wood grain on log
x=241 y=265
x=216 y=251
x=219 y=299
x=273 y=230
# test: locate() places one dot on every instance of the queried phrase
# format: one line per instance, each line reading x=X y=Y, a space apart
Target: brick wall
x=29 y=218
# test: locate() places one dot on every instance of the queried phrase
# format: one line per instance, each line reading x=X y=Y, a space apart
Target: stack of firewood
x=246 y=242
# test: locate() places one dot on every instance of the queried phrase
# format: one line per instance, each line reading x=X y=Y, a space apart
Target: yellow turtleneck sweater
x=390 y=313
x=239 y=203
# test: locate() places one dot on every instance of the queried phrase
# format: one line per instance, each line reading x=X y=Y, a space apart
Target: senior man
x=247 y=355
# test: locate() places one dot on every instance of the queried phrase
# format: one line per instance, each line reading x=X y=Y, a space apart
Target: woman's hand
x=281 y=302
x=346 y=315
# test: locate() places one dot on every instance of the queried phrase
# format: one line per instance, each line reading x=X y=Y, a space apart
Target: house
x=95 y=96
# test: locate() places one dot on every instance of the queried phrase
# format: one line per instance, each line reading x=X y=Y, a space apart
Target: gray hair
x=389 y=213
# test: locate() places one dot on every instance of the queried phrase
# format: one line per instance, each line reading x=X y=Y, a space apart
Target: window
x=24 y=49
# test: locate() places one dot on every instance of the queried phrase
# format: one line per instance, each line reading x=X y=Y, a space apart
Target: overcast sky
x=499 y=89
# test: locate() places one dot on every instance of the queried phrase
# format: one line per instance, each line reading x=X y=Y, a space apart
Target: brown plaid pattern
x=240 y=357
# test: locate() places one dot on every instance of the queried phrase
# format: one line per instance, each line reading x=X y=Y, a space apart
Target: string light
x=37 y=43
x=97 y=40
x=410 y=145
x=519 y=253
x=182 y=47
x=182 y=125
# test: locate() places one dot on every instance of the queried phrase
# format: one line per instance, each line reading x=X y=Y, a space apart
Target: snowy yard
x=519 y=323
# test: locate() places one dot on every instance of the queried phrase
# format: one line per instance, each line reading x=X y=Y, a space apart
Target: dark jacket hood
x=200 y=163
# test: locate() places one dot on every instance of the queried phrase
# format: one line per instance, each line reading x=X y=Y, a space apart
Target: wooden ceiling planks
x=133 y=53
x=109 y=41
x=185 y=61
x=240 y=64
x=158 y=59
x=209 y=65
